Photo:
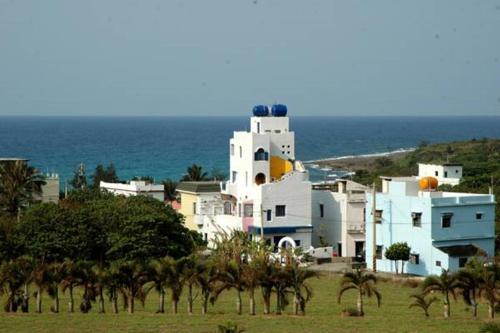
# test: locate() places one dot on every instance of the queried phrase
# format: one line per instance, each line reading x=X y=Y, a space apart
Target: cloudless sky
x=221 y=57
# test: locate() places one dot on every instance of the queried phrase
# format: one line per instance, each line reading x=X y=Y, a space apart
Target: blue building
x=443 y=229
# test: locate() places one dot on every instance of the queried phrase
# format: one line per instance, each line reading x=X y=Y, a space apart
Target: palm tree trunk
x=114 y=301
x=39 y=300
x=296 y=305
x=252 y=302
x=267 y=303
x=26 y=296
x=101 y=301
x=56 y=300
x=175 y=304
x=11 y=302
x=360 y=304
x=491 y=310
x=71 y=303
x=130 y=303
x=474 y=308
x=204 y=305
x=396 y=266
x=238 y=302
x=402 y=267
x=161 y=302
x=278 y=302
x=190 y=300
x=446 y=306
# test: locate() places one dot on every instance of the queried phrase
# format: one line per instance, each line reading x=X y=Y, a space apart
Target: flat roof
x=199 y=187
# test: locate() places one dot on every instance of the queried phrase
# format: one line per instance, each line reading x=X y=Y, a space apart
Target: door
x=359 y=248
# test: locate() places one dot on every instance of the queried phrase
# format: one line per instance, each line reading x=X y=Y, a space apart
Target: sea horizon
x=164 y=146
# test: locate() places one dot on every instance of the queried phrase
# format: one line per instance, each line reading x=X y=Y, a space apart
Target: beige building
x=50 y=191
x=200 y=202
x=338 y=217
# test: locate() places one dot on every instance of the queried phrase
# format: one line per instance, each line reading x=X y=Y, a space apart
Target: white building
x=134 y=187
x=269 y=191
x=338 y=217
x=443 y=229
x=445 y=174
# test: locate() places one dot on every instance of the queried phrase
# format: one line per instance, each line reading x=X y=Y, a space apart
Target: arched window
x=260 y=178
x=261 y=155
x=227 y=208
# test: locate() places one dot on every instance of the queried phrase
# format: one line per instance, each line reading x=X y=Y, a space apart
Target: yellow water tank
x=428 y=183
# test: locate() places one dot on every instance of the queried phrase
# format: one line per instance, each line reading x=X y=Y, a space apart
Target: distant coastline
x=361 y=156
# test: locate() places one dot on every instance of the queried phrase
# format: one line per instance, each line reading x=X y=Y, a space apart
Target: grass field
x=323 y=315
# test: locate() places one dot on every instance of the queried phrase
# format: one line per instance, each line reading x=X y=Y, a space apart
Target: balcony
x=355 y=228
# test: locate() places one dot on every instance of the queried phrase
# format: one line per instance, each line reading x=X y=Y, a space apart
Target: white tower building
x=268 y=191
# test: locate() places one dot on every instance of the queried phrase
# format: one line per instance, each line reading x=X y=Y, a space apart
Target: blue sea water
x=165 y=146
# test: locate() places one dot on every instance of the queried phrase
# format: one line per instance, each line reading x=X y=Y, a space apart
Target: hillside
x=480 y=160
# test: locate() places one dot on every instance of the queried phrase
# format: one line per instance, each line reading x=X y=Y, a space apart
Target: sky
x=222 y=57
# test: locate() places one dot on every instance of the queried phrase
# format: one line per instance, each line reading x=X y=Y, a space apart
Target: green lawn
x=323 y=315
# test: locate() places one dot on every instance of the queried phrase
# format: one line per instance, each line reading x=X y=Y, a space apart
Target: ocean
x=163 y=147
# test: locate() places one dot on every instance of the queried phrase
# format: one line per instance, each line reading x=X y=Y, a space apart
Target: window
x=378 y=216
x=417 y=219
x=205 y=236
x=414 y=258
x=436 y=173
x=438 y=263
x=235 y=174
x=364 y=215
x=227 y=208
x=321 y=210
x=280 y=210
x=479 y=216
x=246 y=178
x=445 y=174
x=232 y=149
x=261 y=155
x=462 y=261
x=446 y=220
x=456 y=171
x=297 y=242
x=248 y=210
x=268 y=215
x=194 y=207
x=258 y=127
x=241 y=151
x=378 y=253
x=239 y=210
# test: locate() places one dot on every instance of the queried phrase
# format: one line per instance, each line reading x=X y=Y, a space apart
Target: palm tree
x=41 y=278
x=159 y=273
x=302 y=291
x=206 y=282
x=489 y=287
x=192 y=268
x=174 y=281
x=70 y=279
x=18 y=185
x=132 y=275
x=469 y=283
x=102 y=276
x=446 y=284
x=363 y=283
x=267 y=284
x=13 y=276
x=194 y=173
x=170 y=187
x=423 y=303
x=253 y=273
x=56 y=272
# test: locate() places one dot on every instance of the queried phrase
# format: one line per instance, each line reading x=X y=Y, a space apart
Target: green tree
x=19 y=185
x=469 y=281
x=159 y=273
x=447 y=284
x=170 y=187
x=194 y=173
x=131 y=276
x=363 y=283
x=398 y=252
x=14 y=275
x=105 y=174
x=489 y=287
x=420 y=301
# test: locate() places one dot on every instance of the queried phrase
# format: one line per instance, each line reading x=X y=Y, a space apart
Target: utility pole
x=261 y=224
x=374 y=230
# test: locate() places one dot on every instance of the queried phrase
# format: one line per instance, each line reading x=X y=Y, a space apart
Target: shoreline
x=361 y=156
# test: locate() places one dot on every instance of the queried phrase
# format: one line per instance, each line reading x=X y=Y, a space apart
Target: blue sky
x=221 y=57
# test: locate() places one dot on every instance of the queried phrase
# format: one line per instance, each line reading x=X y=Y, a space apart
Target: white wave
x=381 y=154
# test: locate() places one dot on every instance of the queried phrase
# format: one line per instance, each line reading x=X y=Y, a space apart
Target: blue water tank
x=260 y=111
x=279 y=110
